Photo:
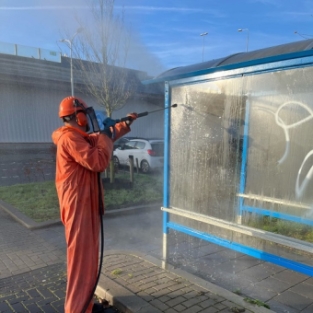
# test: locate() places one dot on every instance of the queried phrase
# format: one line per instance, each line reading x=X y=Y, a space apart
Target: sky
x=166 y=34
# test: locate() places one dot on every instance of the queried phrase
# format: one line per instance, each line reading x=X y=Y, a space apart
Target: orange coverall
x=80 y=157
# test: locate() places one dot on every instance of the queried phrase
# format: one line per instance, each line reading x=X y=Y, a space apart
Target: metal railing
x=29 y=52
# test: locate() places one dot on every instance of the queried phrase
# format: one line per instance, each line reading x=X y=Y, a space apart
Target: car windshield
x=129 y=145
x=158 y=148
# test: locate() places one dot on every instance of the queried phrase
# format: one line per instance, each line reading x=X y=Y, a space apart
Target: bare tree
x=101 y=51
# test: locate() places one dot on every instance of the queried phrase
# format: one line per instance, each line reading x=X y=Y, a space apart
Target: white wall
x=150 y=126
x=30 y=114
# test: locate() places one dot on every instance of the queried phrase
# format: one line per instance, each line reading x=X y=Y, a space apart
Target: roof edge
x=260 y=61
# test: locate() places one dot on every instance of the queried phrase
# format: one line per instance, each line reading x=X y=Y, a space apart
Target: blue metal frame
x=244 y=157
x=166 y=194
x=296 y=266
x=282 y=216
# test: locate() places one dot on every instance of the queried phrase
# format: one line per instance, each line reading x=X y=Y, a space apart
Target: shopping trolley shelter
x=239 y=153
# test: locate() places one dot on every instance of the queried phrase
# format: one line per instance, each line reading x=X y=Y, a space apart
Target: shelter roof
x=237 y=60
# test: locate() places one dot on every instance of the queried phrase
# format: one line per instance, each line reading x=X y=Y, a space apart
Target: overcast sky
x=166 y=34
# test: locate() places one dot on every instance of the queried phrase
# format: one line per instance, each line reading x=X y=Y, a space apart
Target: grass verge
x=39 y=200
x=281 y=227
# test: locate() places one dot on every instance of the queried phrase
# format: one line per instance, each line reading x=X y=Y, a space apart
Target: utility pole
x=70 y=43
x=247 y=30
x=203 y=36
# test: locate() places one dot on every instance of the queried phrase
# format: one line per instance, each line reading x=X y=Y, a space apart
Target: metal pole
x=202 y=48
x=166 y=172
x=70 y=43
x=203 y=35
x=72 y=81
x=247 y=40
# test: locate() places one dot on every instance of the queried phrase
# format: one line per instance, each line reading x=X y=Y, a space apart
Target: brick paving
x=43 y=289
x=145 y=287
x=22 y=250
x=40 y=290
x=202 y=280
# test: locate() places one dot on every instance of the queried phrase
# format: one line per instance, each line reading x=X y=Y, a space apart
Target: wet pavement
x=201 y=277
x=40 y=290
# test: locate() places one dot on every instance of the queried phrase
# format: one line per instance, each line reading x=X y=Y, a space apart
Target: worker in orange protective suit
x=80 y=158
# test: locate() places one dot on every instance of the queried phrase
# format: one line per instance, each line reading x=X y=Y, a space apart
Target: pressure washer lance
x=123 y=119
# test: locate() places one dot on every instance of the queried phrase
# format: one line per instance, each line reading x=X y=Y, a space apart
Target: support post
x=131 y=168
x=112 y=172
x=166 y=173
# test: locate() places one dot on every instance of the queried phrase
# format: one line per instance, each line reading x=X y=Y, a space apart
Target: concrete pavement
x=202 y=277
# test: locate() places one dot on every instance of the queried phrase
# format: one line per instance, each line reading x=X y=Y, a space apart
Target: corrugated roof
x=237 y=58
x=271 y=51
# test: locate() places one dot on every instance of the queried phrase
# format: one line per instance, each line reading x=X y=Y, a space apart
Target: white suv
x=147 y=152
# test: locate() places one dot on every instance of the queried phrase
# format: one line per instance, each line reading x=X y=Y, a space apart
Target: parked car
x=149 y=153
x=121 y=141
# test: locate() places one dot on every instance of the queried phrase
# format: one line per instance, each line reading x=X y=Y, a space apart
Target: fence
x=30 y=52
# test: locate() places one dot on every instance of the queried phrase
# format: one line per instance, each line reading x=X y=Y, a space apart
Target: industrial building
x=33 y=81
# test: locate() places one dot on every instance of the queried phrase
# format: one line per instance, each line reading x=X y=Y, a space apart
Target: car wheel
x=145 y=167
x=116 y=161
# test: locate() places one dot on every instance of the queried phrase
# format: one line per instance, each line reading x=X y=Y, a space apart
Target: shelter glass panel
x=278 y=189
x=205 y=147
x=241 y=151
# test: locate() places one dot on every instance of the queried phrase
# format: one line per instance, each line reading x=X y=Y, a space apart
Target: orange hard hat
x=71 y=105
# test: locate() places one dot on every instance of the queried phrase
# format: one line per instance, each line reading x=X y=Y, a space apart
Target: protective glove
x=108 y=122
x=131 y=118
x=108 y=125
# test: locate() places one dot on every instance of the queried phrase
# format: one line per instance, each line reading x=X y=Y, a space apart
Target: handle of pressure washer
x=127 y=118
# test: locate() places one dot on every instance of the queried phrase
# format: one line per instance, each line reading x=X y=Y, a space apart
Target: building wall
x=149 y=126
x=30 y=101
x=29 y=114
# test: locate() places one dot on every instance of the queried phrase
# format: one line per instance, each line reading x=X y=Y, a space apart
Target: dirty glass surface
x=241 y=151
x=279 y=156
x=205 y=147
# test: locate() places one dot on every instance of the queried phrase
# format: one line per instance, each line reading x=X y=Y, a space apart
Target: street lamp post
x=245 y=29
x=305 y=36
x=70 y=43
x=203 y=35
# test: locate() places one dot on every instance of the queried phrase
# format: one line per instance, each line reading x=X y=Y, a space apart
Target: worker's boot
x=102 y=308
x=97 y=308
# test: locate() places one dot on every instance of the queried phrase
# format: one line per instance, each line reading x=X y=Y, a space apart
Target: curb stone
x=25 y=220
x=32 y=225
